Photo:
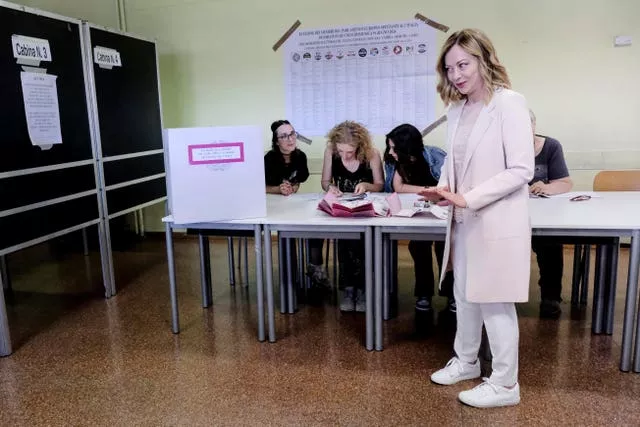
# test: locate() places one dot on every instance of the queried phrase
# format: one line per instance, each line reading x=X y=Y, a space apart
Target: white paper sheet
x=40 y=94
x=573 y=194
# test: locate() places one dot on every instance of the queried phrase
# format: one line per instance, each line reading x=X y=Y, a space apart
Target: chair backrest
x=617 y=181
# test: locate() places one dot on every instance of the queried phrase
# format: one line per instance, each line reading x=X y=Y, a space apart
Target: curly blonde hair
x=477 y=44
x=354 y=134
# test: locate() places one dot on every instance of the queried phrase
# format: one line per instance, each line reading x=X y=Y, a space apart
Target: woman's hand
x=334 y=190
x=431 y=193
x=453 y=198
x=538 y=187
x=360 y=188
x=285 y=188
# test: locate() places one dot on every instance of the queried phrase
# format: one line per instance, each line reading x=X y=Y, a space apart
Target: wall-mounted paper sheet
x=40 y=94
x=381 y=75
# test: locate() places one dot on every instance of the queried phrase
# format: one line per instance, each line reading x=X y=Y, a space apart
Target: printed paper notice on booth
x=211 y=154
x=41 y=108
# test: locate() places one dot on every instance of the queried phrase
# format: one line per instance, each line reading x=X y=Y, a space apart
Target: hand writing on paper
x=334 y=190
x=538 y=187
x=360 y=188
x=285 y=188
x=431 y=193
x=452 y=198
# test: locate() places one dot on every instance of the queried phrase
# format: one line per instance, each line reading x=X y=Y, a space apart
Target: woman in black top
x=285 y=166
x=351 y=165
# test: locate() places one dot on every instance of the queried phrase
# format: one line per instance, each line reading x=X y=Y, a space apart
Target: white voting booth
x=215 y=174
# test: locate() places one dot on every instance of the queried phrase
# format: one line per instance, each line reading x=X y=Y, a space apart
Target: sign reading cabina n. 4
x=106 y=58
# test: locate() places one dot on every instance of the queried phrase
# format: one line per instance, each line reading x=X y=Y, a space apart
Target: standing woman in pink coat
x=484 y=180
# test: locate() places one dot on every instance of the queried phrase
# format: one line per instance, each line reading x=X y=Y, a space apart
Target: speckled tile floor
x=83 y=360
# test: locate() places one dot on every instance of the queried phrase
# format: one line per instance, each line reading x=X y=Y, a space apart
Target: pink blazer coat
x=498 y=165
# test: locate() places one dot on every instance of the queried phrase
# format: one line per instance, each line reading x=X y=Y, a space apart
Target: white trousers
x=500 y=321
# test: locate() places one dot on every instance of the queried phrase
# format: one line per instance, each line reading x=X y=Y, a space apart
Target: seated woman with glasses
x=410 y=166
x=285 y=166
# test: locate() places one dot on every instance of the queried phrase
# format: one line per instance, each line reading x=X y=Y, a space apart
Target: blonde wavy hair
x=354 y=134
x=477 y=44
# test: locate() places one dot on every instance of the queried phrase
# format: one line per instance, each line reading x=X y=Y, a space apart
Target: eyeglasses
x=285 y=136
x=580 y=198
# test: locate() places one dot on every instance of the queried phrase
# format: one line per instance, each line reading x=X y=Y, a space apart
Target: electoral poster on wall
x=381 y=75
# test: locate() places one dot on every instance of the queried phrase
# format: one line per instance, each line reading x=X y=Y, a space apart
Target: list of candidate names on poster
x=380 y=75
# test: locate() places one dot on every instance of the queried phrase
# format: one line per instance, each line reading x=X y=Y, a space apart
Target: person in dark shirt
x=409 y=167
x=351 y=165
x=551 y=176
x=285 y=166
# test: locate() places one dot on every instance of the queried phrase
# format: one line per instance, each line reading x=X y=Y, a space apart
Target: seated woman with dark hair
x=285 y=166
x=409 y=167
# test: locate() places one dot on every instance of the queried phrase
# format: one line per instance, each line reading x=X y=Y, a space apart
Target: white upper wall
x=217 y=66
x=101 y=12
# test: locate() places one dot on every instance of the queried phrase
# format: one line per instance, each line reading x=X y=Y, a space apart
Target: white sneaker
x=489 y=395
x=347 y=304
x=361 y=301
x=455 y=371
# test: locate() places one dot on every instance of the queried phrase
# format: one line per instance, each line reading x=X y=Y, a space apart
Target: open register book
x=368 y=206
x=349 y=206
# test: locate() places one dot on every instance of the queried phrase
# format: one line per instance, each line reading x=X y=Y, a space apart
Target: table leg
x=614 y=250
x=245 y=282
x=290 y=297
x=281 y=263
x=205 y=271
x=268 y=265
x=368 y=283
x=393 y=279
x=575 y=282
x=599 y=289
x=300 y=260
x=5 y=333
x=239 y=257
x=257 y=232
x=634 y=265
x=630 y=307
x=175 y=320
x=585 y=275
x=336 y=279
x=378 y=287
x=307 y=279
x=232 y=272
x=386 y=276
